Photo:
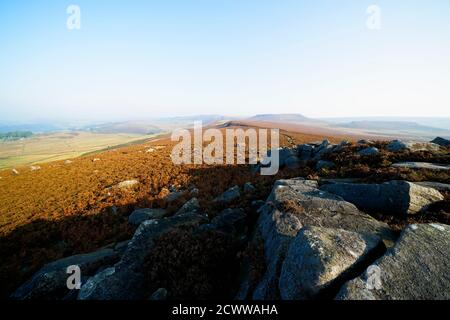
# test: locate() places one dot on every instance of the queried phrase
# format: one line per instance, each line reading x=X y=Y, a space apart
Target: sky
x=139 y=59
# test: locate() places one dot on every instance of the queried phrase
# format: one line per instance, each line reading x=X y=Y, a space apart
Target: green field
x=59 y=146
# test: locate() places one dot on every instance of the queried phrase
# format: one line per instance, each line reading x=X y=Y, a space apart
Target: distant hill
x=36 y=127
x=130 y=127
x=401 y=129
x=294 y=117
x=387 y=125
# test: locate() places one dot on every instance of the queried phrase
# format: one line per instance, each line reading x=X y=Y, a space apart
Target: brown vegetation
x=70 y=208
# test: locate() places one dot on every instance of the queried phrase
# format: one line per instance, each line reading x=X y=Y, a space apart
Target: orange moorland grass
x=70 y=208
x=73 y=207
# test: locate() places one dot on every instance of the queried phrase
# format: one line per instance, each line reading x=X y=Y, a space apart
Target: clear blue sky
x=136 y=59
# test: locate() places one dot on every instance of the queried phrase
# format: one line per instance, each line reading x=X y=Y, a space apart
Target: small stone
x=159 y=295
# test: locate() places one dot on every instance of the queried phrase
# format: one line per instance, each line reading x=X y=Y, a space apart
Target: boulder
x=127 y=184
x=229 y=195
x=319 y=260
x=422 y=165
x=394 y=197
x=441 y=141
x=287 y=157
x=191 y=206
x=369 y=151
x=50 y=282
x=15 y=171
x=297 y=203
x=323 y=164
x=35 y=168
x=416 y=268
x=442 y=187
x=140 y=215
x=125 y=280
x=423 y=146
x=398 y=146
x=365 y=142
x=322 y=149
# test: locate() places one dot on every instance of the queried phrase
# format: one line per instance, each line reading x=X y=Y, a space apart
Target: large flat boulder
x=416 y=268
x=394 y=197
x=125 y=280
x=294 y=204
x=320 y=259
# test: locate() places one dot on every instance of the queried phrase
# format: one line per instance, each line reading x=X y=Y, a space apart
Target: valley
x=48 y=147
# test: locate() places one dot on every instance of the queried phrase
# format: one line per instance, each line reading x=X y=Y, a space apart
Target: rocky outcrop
x=394 y=197
x=319 y=259
x=441 y=141
x=416 y=268
x=50 y=282
x=140 y=215
x=294 y=204
x=125 y=280
x=422 y=165
x=229 y=195
x=293 y=158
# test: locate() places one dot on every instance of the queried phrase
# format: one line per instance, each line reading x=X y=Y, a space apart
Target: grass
x=58 y=146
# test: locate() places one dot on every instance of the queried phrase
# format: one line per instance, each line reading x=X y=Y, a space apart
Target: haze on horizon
x=134 y=59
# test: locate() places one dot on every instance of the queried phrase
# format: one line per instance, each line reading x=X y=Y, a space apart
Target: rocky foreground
x=310 y=239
